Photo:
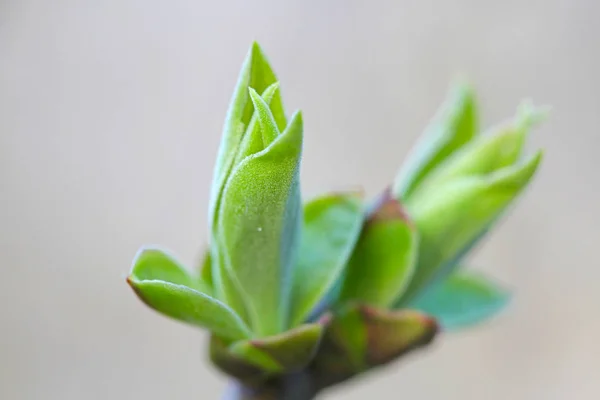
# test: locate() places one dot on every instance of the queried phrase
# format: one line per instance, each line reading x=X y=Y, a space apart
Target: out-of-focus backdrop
x=110 y=117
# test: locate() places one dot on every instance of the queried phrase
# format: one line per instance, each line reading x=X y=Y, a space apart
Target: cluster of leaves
x=339 y=284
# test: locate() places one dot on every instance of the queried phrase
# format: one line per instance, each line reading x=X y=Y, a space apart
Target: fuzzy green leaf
x=253 y=141
x=462 y=300
x=257 y=73
x=450 y=219
x=259 y=225
x=454 y=125
x=164 y=285
x=383 y=261
x=268 y=125
x=225 y=285
x=332 y=224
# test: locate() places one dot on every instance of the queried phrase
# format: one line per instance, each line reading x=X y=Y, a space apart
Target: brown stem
x=292 y=387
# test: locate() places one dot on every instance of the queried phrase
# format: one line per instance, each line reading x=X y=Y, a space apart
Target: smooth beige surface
x=110 y=116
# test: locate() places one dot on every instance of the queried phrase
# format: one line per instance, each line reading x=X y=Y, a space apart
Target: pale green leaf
x=501 y=147
x=451 y=218
x=226 y=287
x=164 y=285
x=332 y=224
x=259 y=225
x=462 y=300
x=256 y=72
x=454 y=125
x=267 y=123
x=253 y=142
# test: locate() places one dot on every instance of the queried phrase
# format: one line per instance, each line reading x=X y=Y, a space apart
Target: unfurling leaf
x=462 y=300
x=383 y=261
x=500 y=148
x=331 y=227
x=454 y=216
x=164 y=285
x=454 y=125
x=256 y=73
x=259 y=225
x=224 y=283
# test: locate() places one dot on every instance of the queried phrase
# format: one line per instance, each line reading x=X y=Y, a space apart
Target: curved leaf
x=502 y=147
x=160 y=282
x=462 y=300
x=286 y=352
x=332 y=224
x=256 y=72
x=259 y=225
x=452 y=218
x=383 y=261
x=454 y=125
x=225 y=285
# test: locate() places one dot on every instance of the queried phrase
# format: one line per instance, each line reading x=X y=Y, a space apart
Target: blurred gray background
x=110 y=117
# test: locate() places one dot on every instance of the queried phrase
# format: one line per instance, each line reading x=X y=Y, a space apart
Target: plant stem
x=292 y=387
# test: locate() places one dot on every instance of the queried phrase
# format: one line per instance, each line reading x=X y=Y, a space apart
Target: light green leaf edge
x=178 y=296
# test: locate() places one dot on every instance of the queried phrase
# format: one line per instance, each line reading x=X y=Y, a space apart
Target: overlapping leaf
x=454 y=125
x=259 y=223
x=331 y=227
x=383 y=261
x=362 y=337
x=451 y=218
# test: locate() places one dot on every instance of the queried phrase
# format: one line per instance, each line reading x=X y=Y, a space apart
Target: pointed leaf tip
x=454 y=218
x=455 y=124
x=266 y=119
